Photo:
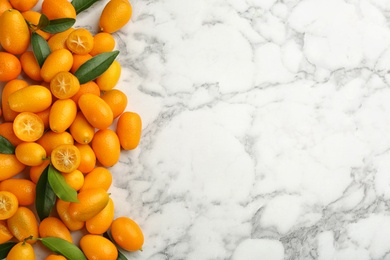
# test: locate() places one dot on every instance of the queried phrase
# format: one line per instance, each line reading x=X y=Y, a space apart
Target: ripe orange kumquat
x=23 y=189
x=10 y=66
x=80 y=41
x=21 y=250
x=23 y=224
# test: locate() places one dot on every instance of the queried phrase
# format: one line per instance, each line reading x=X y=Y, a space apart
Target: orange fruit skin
x=129 y=130
x=58 y=41
x=4 y=6
x=98 y=247
x=78 y=60
x=34 y=98
x=33 y=17
x=5 y=234
x=97 y=112
x=102 y=221
x=115 y=15
x=54 y=227
x=127 y=234
x=81 y=129
x=9 y=166
x=23 y=189
x=44 y=116
x=99 y=177
x=23 y=5
x=75 y=179
x=88 y=158
x=36 y=171
x=55 y=9
x=62 y=114
x=89 y=87
x=91 y=202
x=7 y=131
x=9 y=88
x=110 y=77
x=14 y=32
x=102 y=42
x=23 y=224
x=117 y=100
x=10 y=66
x=62 y=211
x=30 y=153
x=51 y=140
x=21 y=251
x=57 y=61
x=107 y=147
x=30 y=66
x=55 y=257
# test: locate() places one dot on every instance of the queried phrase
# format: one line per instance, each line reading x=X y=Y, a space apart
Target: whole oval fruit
x=57 y=61
x=91 y=202
x=129 y=129
x=34 y=98
x=14 y=32
x=106 y=146
x=53 y=227
x=110 y=77
x=62 y=211
x=9 y=166
x=98 y=247
x=23 y=224
x=97 y=112
x=127 y=234
x=115 y=15
x=21 y=250
x=62 y=114
x=30 y=153
x=10 y=66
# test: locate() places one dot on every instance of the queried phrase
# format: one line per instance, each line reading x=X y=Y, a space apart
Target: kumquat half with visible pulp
x=63 y=123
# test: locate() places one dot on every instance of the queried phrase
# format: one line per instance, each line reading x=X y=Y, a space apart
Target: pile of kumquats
x=63 y=124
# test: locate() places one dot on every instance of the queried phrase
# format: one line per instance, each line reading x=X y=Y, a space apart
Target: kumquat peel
x=63 y=123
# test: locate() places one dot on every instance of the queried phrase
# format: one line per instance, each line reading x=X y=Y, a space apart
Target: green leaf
x=40 y=48
x=45 y=197
x=43 y=22
x=60 y=187
x=121 y=256
x=95 y=67
x=5 y=146
x=59 y=25
x=63 y=247
x=5 y=248
x=81 y=5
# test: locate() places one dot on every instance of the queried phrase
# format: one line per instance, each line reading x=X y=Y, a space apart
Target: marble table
x=266 y=128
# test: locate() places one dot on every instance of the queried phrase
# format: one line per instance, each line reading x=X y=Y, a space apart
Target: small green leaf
x=5 y=248
x=63 y=247
x=60 y=187
x=59 y=25
x=81 y=5
x=95 y=67
x=5 y=146
x=45 y=197
x=43 y=22
x=40 y=48
x=121 y=256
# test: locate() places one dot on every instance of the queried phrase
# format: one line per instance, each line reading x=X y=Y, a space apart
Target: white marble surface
x=266 y=128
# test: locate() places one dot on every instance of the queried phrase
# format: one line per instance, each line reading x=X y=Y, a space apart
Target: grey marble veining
x=265 y=128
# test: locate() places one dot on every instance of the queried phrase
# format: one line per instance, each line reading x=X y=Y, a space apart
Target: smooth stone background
x=265 y=128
